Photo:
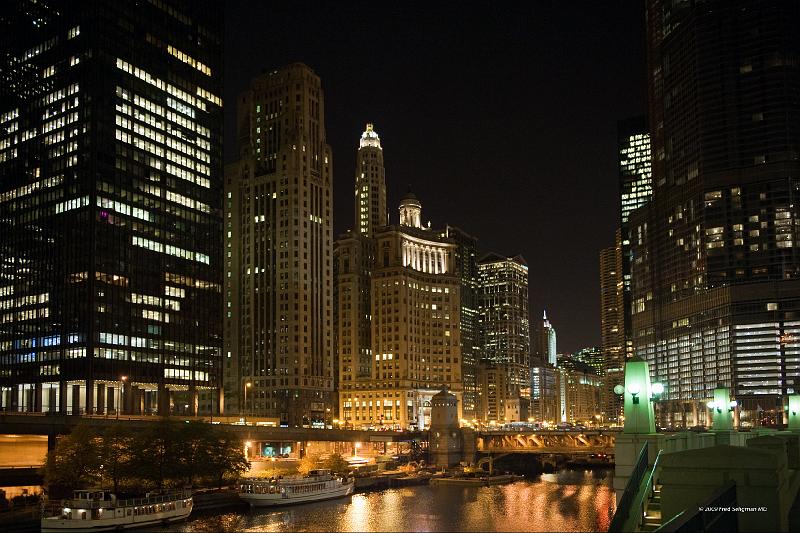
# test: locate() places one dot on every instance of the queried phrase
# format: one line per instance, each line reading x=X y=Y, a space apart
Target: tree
x=116 y=446
x=156 y=452
x=307 y=464
x=337 y=463
x=224 y=455
x=194 y=440
x=74 y=463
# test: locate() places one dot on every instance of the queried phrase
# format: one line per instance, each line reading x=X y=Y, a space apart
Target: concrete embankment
x=387 y=481
x=25 y=520
x=217 y=500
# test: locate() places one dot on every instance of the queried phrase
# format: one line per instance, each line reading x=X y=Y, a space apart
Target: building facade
x=715 y=275
x=370 y=191
x=278 y=244
x=500 y=400
x=581 y=393
x=414 y=311
x=466 y=258
x=110 y=206
x=504 y=319
x=612 y=328
x=545 y=394
x=544 y=342
x=636 y=189
x=593 y=357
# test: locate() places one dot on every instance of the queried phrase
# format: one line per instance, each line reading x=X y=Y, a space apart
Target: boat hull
x=116 y=523
x=91 y=525
x=279 y=500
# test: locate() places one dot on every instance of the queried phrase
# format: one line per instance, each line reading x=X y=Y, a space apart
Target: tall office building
x=278 y=284
x=504 y=319
x=353 y=262
x=414 y=310
x=466 y=258
x=110 y=205
x=545 y=394
x=370 y=190
x=593 y=357
x=544 y=342
x=636 y=189
x=612 y=327
x=716 y=271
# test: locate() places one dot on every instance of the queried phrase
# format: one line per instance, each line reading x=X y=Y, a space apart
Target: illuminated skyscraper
x=278 y=285
x=370 y=190
x=544 y=341
x=504 y=319
x=636 y=189
x=110 y=205
x=414 y=310
x=716 y=270
x=612 y=326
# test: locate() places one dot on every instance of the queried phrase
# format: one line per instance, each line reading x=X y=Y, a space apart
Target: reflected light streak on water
x=570 y=500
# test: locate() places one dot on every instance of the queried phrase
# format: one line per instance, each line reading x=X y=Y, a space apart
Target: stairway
x=652 y=517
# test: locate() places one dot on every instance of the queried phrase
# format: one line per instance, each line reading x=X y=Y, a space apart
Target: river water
x=568 y=500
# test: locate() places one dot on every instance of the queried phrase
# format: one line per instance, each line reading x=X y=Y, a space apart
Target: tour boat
x=316 y=486
x=101 y=511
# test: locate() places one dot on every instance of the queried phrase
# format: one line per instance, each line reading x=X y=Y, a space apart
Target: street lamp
x=122 y=380
x=247 y=385
x=634 y=389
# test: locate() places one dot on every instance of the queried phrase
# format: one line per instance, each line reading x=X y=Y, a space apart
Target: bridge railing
x=711 y=516
x=626 y=501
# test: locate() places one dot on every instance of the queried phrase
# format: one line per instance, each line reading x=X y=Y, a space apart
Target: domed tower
x=445 y=440
x=370 y=190
x=410 y=210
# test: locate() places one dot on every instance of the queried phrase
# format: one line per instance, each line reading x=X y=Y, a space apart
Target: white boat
x=100 y=510
x=318 y=485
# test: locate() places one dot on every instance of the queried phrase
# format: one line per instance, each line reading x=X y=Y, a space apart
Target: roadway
x=58 y=424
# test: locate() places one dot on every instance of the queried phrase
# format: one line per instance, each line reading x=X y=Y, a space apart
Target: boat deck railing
x=105 y=504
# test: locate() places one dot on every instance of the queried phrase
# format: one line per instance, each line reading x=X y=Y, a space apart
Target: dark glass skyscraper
x=635 y=190
x=110 y=204
x=716 y=270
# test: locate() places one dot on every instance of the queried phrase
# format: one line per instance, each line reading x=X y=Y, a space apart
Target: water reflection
x=570 y=500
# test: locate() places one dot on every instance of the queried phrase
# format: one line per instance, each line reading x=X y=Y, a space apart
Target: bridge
x=547 y=442
x=53 y=425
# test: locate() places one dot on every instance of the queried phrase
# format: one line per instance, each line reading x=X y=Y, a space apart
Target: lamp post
x=247 y=385
x=122 y=380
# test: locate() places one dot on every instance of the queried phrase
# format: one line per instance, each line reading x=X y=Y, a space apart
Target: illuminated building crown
x=370 y=138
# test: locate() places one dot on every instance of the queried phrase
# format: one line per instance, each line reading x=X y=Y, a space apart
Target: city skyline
x=546 y=255
x=453 y=123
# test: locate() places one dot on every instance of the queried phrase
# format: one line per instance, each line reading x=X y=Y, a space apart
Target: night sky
x=501 y=118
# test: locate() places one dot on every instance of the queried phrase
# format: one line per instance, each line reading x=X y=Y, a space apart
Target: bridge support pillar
x=37 y=398
x=794 y=412
x=164 y=400
x=127 y=397
x=101 y=398
x=89 y=396
x=626 y=452
x=195 y=401
x=62 y=397
x=76 y=399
